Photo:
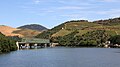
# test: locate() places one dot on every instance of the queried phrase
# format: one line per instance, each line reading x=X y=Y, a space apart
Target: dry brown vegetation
x=6 y=30
x=9 y=31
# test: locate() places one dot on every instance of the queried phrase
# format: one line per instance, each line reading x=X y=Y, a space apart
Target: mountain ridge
x=33 y=27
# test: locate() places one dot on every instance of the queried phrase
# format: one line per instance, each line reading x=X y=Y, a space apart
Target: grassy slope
x=27 y=32
x=84 y=27
x=7 y=31
x=62 y=32
x=80 y=25
x=70 y=27
x=110 y=25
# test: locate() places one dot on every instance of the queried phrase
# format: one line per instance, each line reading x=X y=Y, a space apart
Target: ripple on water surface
x=62 y=57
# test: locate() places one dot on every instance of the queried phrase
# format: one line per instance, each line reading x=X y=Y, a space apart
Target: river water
x=62 y=57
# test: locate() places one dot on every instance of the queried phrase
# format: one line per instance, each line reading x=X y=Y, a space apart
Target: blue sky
x=50 y=13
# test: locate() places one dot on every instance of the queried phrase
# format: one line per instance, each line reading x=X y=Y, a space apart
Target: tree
x=115 y=39
x=69 y=40
x=93 y=38
x=6 y=44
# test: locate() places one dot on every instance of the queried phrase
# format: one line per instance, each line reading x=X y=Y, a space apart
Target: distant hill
x=111 y=26
x=33 y=27
x=113 y=21
x=6 y=30
x=9 y=31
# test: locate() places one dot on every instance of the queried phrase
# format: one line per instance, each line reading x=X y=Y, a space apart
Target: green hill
x=33 y=27
x=48 y=34
x=111 y=26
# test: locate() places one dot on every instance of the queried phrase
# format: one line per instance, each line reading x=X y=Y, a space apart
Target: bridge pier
x=35 y=46
x=17 y=43
x=27 y=45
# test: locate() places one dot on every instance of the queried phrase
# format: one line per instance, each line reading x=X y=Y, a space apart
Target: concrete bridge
x=30 y=43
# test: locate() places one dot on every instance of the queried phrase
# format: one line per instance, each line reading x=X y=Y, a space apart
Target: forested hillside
x=85 y=29
x=6 y=44
x=90 y=39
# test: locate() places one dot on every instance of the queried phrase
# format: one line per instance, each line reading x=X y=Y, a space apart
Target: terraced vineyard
x=62 y=32
x=84 y=27
x=80 y=25
x=111 y=26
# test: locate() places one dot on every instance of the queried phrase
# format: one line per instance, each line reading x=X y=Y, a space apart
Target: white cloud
x=37 y=1
x=25 y=7
x=112 y=12
x=74 y=16
x=61 y=1
x=44 y=12
x=104 y=0
x=75 y=2
x=110 y=0
x=71 y=15
x=72 y=8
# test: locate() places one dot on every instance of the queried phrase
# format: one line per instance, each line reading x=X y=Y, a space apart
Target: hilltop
x=113 y=21
x=36 y=27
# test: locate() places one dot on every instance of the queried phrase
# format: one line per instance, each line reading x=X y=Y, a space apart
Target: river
x=62 y=57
